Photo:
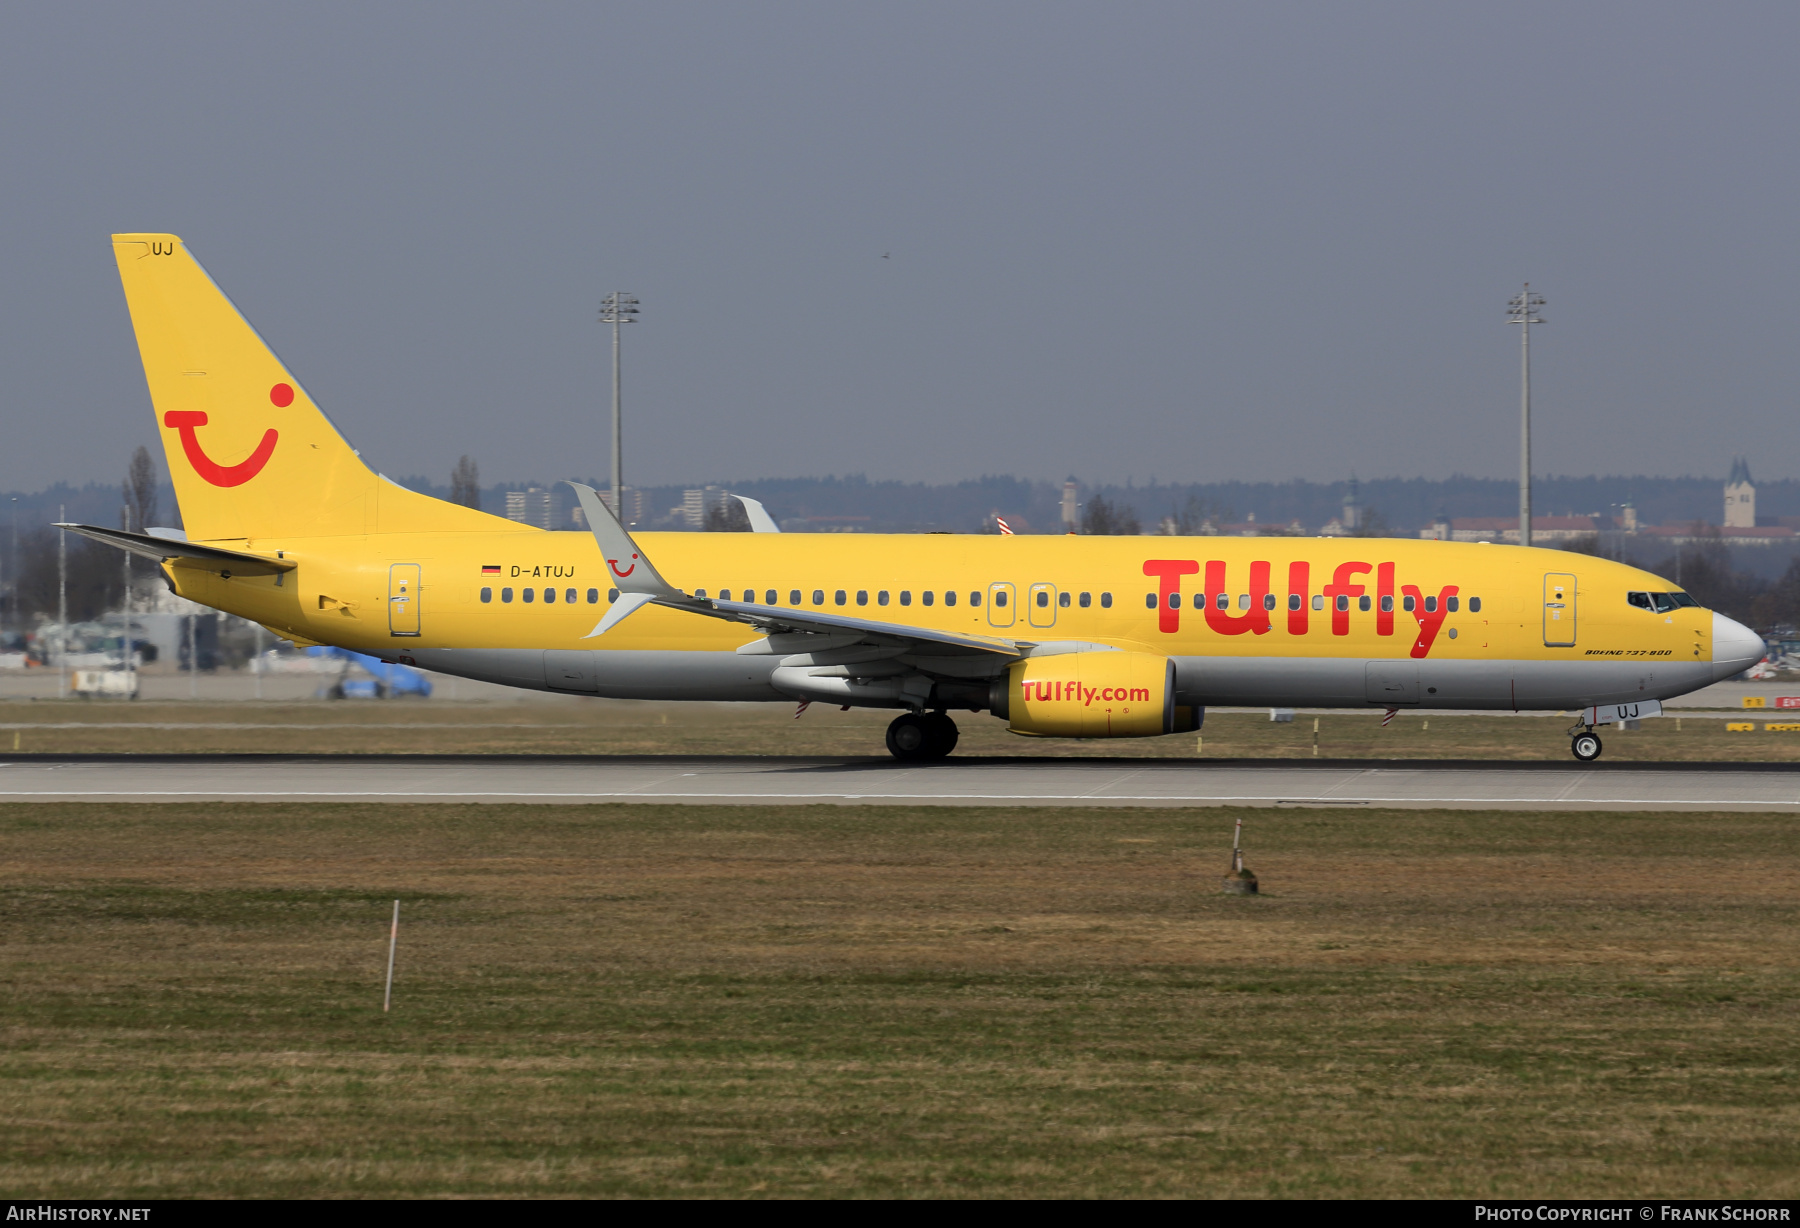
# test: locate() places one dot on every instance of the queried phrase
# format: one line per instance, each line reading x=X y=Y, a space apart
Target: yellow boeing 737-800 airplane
x=1079 y=637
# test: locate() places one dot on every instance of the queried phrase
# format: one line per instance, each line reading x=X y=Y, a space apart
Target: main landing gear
x=915 y=737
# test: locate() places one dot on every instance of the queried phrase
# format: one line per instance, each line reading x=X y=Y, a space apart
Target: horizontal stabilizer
x=627 y=605
x=227 y=562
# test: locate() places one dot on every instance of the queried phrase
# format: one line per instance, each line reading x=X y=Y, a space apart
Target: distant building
x=1506 y=528
x=1740 y=527
x=1439 y=530
x=533 y=506
x=1250 y=528
x=695 y=504
x=1740 y=497
x=635 y=500
x=1737 y=535
x=1071 y=507
x=1352 y=516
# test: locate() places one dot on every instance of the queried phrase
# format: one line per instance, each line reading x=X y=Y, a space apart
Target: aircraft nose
x=1735 y=647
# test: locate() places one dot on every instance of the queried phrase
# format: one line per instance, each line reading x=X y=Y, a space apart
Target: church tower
x=1740 y=497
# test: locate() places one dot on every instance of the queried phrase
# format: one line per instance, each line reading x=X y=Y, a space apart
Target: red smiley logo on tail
x=186 y=420
x=614 y=564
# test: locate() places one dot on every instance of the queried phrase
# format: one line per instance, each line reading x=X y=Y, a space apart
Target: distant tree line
x=1101 y=518
x=465 y=483
x=727 y=516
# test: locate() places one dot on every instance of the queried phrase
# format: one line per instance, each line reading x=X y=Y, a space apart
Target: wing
x=776 y=622
x=832 y=657
x=640 y=584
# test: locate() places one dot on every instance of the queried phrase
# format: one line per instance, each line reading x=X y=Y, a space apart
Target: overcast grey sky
x=927 y=241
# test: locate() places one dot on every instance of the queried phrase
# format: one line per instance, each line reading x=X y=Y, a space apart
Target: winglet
x=760 y=520
x=630 y=571
x=636 y=578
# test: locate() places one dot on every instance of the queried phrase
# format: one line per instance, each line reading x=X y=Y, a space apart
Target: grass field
x=639 y=728
x=823 y=1001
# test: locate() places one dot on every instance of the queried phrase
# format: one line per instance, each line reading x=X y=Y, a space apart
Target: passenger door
x=1042 y=610
x=1001 y=605
x=403 y=599
x=1559 y=610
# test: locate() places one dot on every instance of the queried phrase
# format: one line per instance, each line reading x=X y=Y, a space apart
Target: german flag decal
x=490 y=569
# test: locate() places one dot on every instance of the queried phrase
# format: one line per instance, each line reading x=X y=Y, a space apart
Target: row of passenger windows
x=1223 y=602
x=841 y=596
x=1660 y=602
x=528 y=595
x=797 y=597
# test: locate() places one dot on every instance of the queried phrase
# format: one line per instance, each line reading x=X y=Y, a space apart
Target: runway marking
x=1346 y=783
x=1581 y=778
x=1116 y=781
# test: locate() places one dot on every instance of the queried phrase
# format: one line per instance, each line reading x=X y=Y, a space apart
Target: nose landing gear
x=916 y=737
x=1585 y=746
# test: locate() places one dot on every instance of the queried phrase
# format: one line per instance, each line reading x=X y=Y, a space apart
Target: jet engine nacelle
x=1092 y=695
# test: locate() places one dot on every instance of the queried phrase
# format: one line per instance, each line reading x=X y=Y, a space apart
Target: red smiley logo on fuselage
x=187 y=420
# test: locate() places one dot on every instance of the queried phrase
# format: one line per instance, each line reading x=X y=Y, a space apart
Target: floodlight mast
x=615 y=309
x=1522 y=310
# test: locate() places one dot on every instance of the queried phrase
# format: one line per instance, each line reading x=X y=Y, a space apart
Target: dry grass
x=642 y=728
x=892 y=1001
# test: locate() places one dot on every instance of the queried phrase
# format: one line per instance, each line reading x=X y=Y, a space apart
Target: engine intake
x=1093 y=695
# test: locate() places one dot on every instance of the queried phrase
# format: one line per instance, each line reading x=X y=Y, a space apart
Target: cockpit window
x=1664 y=602
x=1640 y=600
x=1683 y=599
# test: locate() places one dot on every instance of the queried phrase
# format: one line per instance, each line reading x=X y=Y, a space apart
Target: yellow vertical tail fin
x=249 y=454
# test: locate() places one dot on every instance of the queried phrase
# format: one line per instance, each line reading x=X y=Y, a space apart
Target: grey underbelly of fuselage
x=1201 y=682
x=1502 y=685
x=612 y=675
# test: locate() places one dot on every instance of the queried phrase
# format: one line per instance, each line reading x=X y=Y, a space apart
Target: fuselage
x=1334 y=622
x=1063 y=636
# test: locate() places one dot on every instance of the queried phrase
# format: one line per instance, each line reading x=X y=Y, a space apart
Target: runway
x=958 y=782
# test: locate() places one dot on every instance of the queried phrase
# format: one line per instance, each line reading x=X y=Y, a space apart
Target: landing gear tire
x=915 y=737
x=1585 y=747
x=943 y=734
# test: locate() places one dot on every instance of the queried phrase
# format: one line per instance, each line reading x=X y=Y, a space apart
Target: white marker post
x=1240 y=881
x=387 y=998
